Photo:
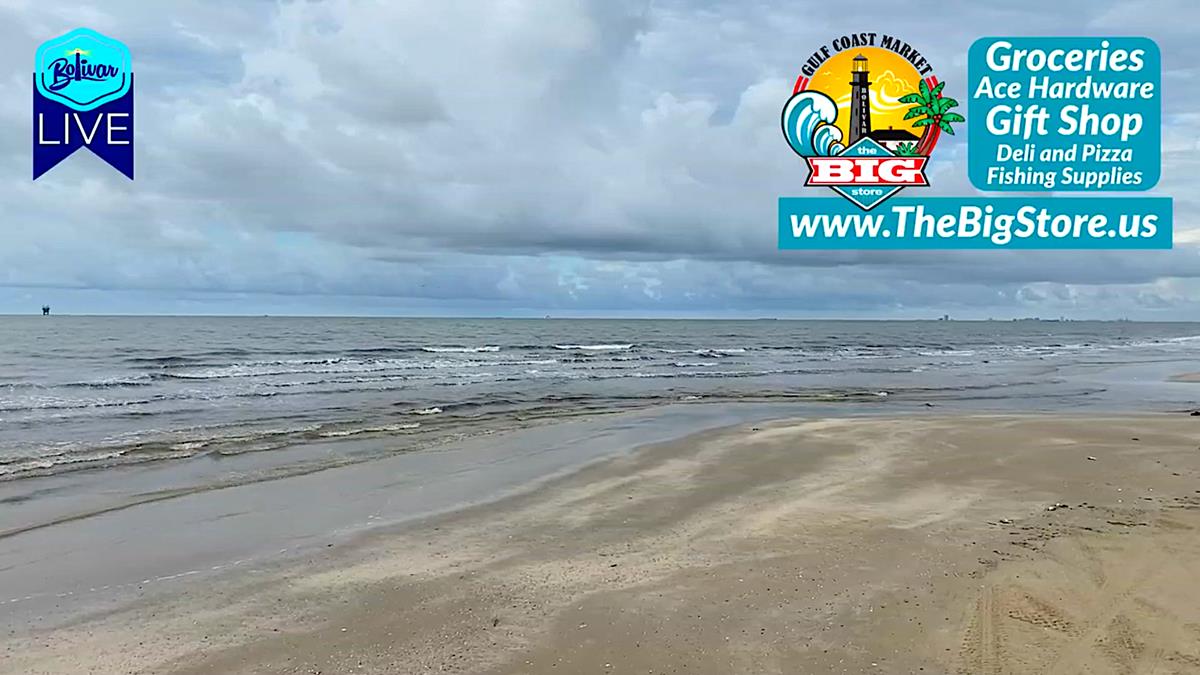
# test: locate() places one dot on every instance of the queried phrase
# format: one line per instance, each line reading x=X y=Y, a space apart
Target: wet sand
x=87 y=541
x=959 y=544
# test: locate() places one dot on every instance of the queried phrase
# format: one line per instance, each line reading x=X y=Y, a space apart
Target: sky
x=525 y=158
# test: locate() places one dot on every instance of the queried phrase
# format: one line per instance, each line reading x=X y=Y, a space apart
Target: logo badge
x=865 y=114
x=82 y=97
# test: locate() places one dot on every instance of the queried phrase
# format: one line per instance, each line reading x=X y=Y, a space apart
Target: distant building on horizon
x=892 y=138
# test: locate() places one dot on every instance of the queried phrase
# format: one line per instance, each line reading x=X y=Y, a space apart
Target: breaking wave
x=808 y=119
x=426 y=411
x=461 y=350
x=341 y=433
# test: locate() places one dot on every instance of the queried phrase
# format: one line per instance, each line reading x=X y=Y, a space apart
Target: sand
x=959 y=544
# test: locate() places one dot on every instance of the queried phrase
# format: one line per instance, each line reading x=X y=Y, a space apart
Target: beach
x=586 y=338
x=933 y=541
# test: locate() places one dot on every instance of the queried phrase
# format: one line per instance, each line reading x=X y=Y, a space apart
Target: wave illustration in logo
x=808 y=125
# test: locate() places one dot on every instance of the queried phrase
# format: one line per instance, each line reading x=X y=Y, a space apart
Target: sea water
x=106 y=392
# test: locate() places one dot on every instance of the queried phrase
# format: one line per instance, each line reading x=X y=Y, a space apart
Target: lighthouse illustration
x=860 y=99
x=856 y=133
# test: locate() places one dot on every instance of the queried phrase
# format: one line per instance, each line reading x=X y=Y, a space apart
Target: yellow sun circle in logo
x=889 y=76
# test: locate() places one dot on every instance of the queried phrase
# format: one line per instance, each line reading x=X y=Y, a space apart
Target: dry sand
x=982 y=544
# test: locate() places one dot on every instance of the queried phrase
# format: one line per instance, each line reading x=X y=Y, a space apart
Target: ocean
x=100 y=393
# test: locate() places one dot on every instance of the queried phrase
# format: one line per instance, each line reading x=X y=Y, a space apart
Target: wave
x=185 y=359
x=338 y=366
x=443 y=374
x=718 y=353
x=113 y=383
x=52 y=461
x=946 y=352
x=712 y=352
x=426 y=411
x=808 y=124
x=500 y=406
x=51 y=403
x=161 y=360
x=597 y=348
x=292 y=367
x=341 y=433
x=461 y=350
x=135 y=448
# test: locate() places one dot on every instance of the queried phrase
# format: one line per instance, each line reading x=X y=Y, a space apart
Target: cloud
x=585 y=156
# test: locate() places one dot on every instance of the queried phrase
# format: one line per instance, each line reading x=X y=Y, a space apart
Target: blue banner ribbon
x=107 y=130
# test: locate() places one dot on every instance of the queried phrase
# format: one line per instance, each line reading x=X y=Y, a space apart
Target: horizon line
x=549 y=317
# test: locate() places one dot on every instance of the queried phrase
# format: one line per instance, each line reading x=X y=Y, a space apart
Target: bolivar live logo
x=82 y=97
x=877 y=94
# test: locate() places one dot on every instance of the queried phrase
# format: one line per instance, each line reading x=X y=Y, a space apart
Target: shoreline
x=834 y=544
x=198 y=532
x=379 y=388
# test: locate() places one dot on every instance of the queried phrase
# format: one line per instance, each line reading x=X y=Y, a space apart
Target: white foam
x=369 y=430
x=43 y=463
x=461 y=350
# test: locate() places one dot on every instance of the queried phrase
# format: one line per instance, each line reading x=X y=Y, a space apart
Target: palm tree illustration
x=937 y=116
